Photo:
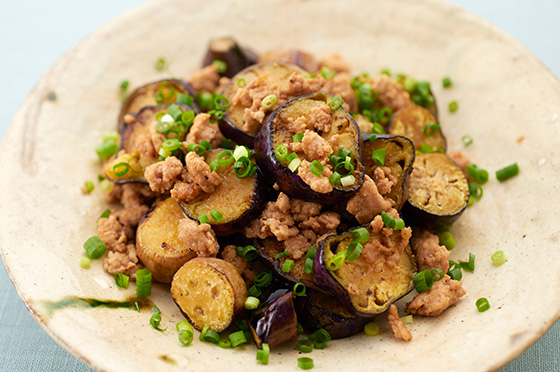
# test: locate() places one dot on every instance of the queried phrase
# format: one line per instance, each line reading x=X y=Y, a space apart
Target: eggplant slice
x=372 y=282
x=227 y=50
x=316 y=310
x=438 y=192
x=342 y=132
x=293 y=56
x=399 y=157
x=411 y=122
x=135 y=151
x=275 y=75
x=156 y=93
x=276 y=322
x=239 y=200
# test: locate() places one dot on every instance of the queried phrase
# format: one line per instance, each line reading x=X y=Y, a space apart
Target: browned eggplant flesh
x=421 y=127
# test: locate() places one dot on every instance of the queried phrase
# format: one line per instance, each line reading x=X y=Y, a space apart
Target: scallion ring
x=281 y=152
x=269 y=102
x=336 y=103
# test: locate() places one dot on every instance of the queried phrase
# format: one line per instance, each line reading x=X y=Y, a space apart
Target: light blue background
x=35 y=33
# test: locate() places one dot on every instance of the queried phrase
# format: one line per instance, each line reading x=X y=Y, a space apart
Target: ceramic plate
x=508 y=102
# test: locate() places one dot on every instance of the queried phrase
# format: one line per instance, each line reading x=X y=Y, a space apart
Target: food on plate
x=307 y=227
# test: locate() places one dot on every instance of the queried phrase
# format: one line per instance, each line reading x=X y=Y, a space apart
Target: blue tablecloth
x=34 y=34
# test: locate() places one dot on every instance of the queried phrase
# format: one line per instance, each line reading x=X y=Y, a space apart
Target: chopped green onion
x=121 y=280
x=291 y=156
x=288 y=266
x=455 y=271
x=107 y=149
x=184 y=99
x=216 y=215
x=371 y=329
x=475 y=190
x=482 y=304
x=254 y=291
x=437 y=274
x=185 y=337
x=206 y=144
x=281 y=153
x=399 y=224
x=423 y=281
x=377 y=128
x=344 y=165
x=407 y=319
x=226 y=144
x=212 y=337
x=320 y=335
x=143 y=283
x=263 y=355
x=507 y=172
x=268 y=102
x=446 y=82
x=308 y=266
x=327 y=73
x=281 y=254
x=336 y=261
x=85 y=262
x=453 y=106
x=237 y=338
x=479 y=175
x=354 y=251
x=446 y=239
x=430 y=129
x=347 y=180
x=171 y=144
x=95 y=248
x=184 y=325
x=305 y=363
x=203 y=332
x=214 y=166
x=248 y=252
x=106 y=186
x=110 y=135
x=263 y=279
x=469 y=265
x=386 y=71
x=388 y=221
x=360 y=235
x=298 y=137
x=160 y=64
x=198 y=149
x=299 y=289
x=251 y=303
x=385 y=115
x=294 y=164
x=378 y=156
x=498 y=258
x=155 y=320
x=241 y=83
x=467 y=140
x=335 y=178
x=305 y=346
x=316 y=168
x=240 y=152
x=221 y=65
x=336 y=103
x=174 y=111
x=203 y=218
x=244 y=167
x=372 y=138
x=205 y=101
x=89 y=186
x=163 y=127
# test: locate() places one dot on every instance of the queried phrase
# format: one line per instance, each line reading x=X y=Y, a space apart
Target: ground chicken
x=206 y=79
x=222 y=83
x=391 y=93
x=325 y=223
x=443 y=294
x=339 y=85
x=200 y=238
x=318 y=183
x=112 y=233
x=302 y=210
x=244 y=267
x=201 y=173
x=275 y=221
x=399 y=329
x=384 y=180
x=429 y=254
x=368 y=202
x=320 y=118
x=185 y=192
x=161 y=176
x=297 y=246
x=203 y=130
x=315 y=147
x=123 y=262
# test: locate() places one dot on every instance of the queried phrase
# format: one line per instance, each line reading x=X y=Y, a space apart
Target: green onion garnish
x=171 y=144
x=268 y=102
x=121 y=280
x=298 y=137
x=203 y=218
x=107 y=149
x=308 y=266
x=347 y=180
x=205 y=101
x=498 y=258
x=214 y=166
x=221 y=103
x=316 y=168
x=237 y=338
x=221 y=65
x=320 y=335
x=88 y=185
x=408 y=319
x=288 y=265
x=507 y=172
x=423 y=281
x=479 y=175
x=254 y=291
x=244 y=167
x=360 y=235
x=299 y=289
x=143 y=283
x=467 y=140
x=281 y=254
x=455 y=271
x=336 y=103
x=281 y=153
x=327 y=73
x=482 y=304
x=437 y=274
x=160 y=64
x=155 y=320
x=85 y=262
x=305 y=346
x=335 y=178
x=262 y=355
x=336 y=261
x=469 y=265
x=185 y=337
x=226 y=144
x=446 y=82
x=248 y=252
x=184 y=325
x=371 y=329
x=399 y=224
x=294 y=164
x=446 y=239
x=372 y=138
x=251 y=303
x=385 y=115
x=378 y=156
x=241 y=152
x=184 y=99
x=198 y=149
x=174 y=111
x=216 y=215
x=203 y=332
x=305 y=363
x=453 y=106
x=354 y=251
x=241 y=83
x=95 y=248
x=212 y=337
x=475 y=190
x=377 y=128
x=106 y=186
x=263 y=279
x=430 y=129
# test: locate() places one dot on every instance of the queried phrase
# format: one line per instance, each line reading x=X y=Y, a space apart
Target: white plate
x=504 y=93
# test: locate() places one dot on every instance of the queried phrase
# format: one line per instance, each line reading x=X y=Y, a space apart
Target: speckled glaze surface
x=504 y=95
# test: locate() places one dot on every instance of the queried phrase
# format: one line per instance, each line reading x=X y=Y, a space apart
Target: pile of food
x=279 y=193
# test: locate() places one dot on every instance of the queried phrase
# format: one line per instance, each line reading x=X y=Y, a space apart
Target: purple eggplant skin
x=316 y=310
x=276 y=322
x=289 y=182
x=290 y=55
x=227 y=50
